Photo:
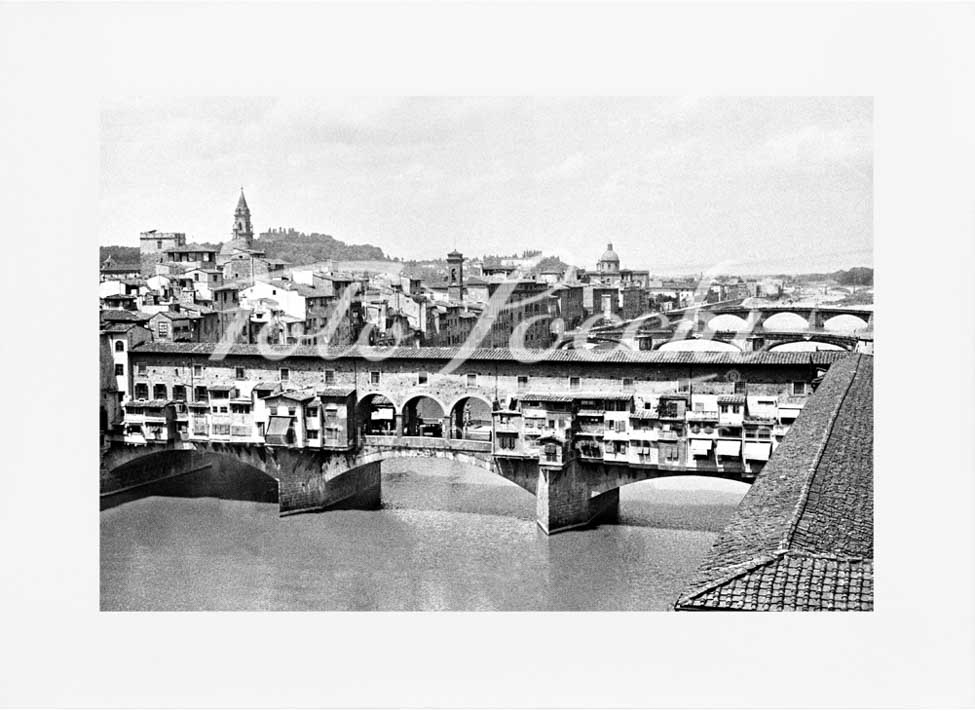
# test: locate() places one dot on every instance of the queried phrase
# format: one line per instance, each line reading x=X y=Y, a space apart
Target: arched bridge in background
x=746 y=328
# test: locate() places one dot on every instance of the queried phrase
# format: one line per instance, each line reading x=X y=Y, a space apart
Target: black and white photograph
x=466 y=353
x=462 y=354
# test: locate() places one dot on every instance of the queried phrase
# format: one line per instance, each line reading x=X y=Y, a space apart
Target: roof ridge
x=743 y=569
x=786 y=542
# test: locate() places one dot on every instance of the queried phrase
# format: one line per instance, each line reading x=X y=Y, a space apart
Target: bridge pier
x=565 y=499
x=357 y=488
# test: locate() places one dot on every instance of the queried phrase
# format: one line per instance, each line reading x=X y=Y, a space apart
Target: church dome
x=610 y=261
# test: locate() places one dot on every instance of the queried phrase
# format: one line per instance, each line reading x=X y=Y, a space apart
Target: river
x=449 y=537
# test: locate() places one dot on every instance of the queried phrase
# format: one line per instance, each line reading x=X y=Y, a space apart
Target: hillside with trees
x=119 y=255
x=297 y=247
x=857 y=276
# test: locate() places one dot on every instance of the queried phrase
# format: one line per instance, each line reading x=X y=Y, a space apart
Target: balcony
x=595 y=428
x=702 y=415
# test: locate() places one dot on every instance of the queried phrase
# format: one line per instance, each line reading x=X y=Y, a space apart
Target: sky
x=678 y=184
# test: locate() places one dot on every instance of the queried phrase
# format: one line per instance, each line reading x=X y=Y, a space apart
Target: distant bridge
x=748 y=328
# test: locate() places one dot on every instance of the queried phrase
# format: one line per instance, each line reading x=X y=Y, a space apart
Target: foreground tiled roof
x=802 y=538
x=817 y=358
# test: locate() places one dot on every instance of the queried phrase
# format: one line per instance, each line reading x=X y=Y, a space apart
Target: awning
x=384 y=414
x=700 y=446
x=758 y=450
x=278 y=425
x=728 y=448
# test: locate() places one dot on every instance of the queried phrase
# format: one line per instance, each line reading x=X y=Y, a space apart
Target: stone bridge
x=749 y=329
x=572 y=494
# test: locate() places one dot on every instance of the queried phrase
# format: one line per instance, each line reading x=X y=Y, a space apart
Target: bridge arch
x=727 y=322
x=376 y=413
x=424 y=415
x=785 y=321
x=845 y=323
x=191 y=472
x=809 y=344
x=470 y=417
x=699 y=344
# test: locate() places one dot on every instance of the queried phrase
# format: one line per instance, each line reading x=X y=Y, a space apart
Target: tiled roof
x=119 y=327
x=294 y=395
x=336 y=391
x=191 y=248
x=802 y=538
x=731 y=399
x=819 y=358
x=577 y=395
x=147 y=403
x=122 y=315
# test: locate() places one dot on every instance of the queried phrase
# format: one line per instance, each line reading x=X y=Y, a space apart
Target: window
x=200 y=393
x=574 y=383
x=472 y=380
x=158 y=244
x=551 y=453
x=741 y=387
x=239 y=373
x=141 y=391
x=291 y=411
x=627 y=382
x=162 y=328
x=312 y=434
x=141 y=369
x=197 y=370
x=179 y=392
x=374 y=377
x=119 y=369
x=223 y=409
x=221 y=429
x=159 y=392
x=214 y=409
x=684 y=386
x=421 y=379
x=522 y=382
x=119 y=346
x=285 y=374
x=311 y=412
x=798 y=388
x=330 y=377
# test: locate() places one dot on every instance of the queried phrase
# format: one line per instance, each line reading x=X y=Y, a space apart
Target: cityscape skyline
x=679 y=185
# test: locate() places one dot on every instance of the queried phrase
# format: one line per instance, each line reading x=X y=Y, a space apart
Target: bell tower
x=455 y=276
x=243 y=232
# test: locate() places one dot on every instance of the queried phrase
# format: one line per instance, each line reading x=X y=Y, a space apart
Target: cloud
x=811 y=145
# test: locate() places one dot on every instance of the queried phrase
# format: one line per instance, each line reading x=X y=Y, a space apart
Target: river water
x=449 y=537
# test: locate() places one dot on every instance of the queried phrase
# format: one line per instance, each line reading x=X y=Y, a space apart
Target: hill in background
x=299 y=248
x=288 y=244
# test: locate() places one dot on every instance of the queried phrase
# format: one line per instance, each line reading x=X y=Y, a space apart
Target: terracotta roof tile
x=805 y=528
x=504 y=354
